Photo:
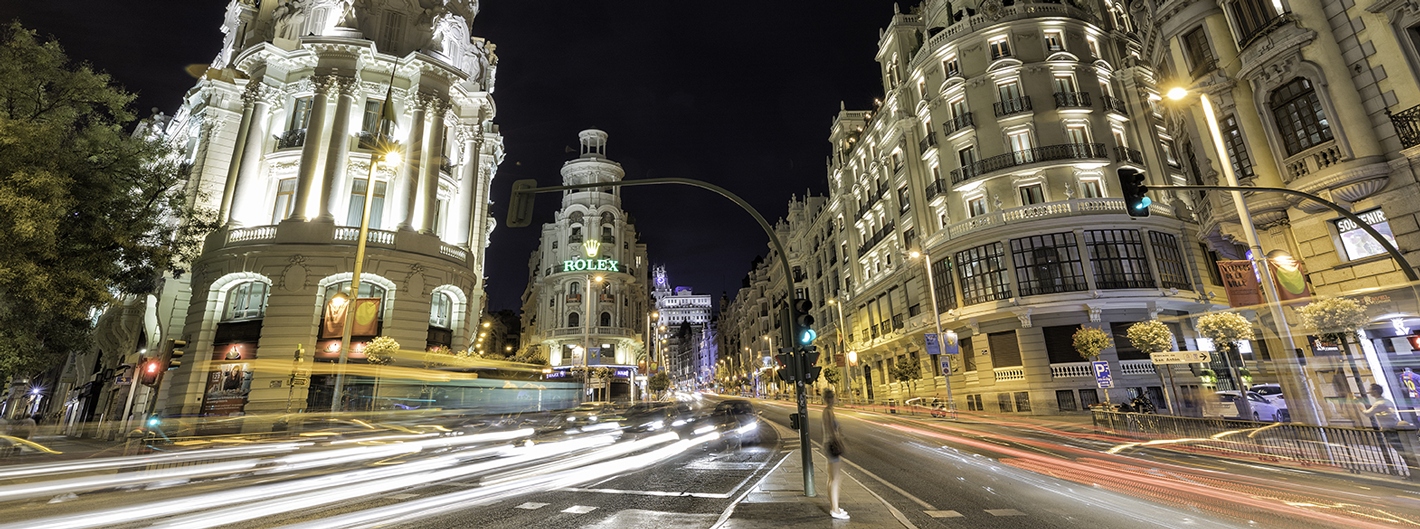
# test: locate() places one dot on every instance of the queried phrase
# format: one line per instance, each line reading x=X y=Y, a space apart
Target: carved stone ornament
x=414 y=282
x=1024 y=316
x=346 y=86
x=252 y=94
x=293 y=276
x=1095 y=311
x=322 y=84
x=993 y=9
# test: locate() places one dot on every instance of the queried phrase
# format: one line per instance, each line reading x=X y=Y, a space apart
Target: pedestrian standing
x=834 y=445
x=1381 y=409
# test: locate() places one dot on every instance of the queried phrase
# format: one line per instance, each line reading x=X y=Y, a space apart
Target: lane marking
x=899 y=490
x=657 y=493
x=725 y=516
x=895 y=513
x=943 y=514
x=1005 y=512
x=403 y=496
x=532 y=505
x=579 y=509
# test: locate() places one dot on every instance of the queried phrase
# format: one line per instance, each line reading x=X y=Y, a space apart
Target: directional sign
x=1180 y=357
x=1102 y=376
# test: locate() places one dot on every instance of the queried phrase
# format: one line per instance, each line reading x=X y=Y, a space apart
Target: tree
x=659 y=383
x=88 y=211
x=829 y=373
x=906 y=369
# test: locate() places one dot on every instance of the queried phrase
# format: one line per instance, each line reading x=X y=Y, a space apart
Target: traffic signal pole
x=520 y=210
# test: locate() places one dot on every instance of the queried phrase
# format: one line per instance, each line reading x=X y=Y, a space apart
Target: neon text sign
x=597 y=265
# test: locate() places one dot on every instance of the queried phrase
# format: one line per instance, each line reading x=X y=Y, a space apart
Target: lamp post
x=587 y=345
x=390 y=157
x=937 y=321
x=1310 y=414
x=838 y=325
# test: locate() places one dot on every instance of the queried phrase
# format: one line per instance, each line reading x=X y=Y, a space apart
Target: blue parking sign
x=1102 y=376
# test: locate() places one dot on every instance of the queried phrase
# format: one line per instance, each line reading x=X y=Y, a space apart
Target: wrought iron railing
x=927 y=142
x=1114 y=104
x=877 y=237
x=1072 y=100
x=1251 y=34
x=1013 y=106
x=1125 y=154
x=291 y=139
x=1068 y=151
x=1407 y=125
x=957 y=123
x=937 y=187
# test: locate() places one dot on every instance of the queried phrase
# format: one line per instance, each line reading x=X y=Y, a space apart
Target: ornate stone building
x=587 y=279
x=280 y=134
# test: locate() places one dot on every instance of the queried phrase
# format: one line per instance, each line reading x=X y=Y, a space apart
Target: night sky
x=737 y=93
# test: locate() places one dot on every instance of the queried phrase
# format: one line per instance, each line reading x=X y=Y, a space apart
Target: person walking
x=834 y=447
x=1381 y=409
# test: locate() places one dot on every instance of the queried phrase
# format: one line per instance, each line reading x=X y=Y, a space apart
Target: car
x=737 y=417
x=1271 y=392
x=1225 y=404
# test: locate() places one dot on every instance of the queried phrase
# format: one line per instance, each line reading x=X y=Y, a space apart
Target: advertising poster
x=367 y=312
x=1290 y=277
x=229 y=381
x=1240 y=283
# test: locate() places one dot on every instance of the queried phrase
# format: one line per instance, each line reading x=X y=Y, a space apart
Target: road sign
x=933 y=347
x=946 y=366
x=1102 y=376
x=123 y=381
x=1180 y=357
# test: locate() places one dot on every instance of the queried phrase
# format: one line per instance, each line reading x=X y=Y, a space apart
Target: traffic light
x=1136 y=199
x=149 y=371
x=804 y=323
x=785 y=359
x=175 y=354
x=520 y=206
x=811 y=368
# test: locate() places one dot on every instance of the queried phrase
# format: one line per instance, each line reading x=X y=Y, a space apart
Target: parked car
x=1273 y=394
x=737 y=417
x=1225 y=404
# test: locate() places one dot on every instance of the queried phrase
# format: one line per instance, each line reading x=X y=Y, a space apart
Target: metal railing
x=957 y=123
x=1125 y=154
x=1072 y=100
x=291 y=139
x=1068 y=151
x=927 y=142
x=937 y=187
x=1407 y=125
x=877 y=237
x=1114 y=104
x=1353 y=449
x=1013 y=106
x=1250 y=35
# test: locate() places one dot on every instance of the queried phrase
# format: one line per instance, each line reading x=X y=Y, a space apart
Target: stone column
x=249 y=99
x=433 y=160
x=404 y=188
x=310 y=152
x=246 y=193
x=333 y=184
x=459 y=218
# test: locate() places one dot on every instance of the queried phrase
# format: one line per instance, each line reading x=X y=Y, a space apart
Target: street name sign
x=1180 y=357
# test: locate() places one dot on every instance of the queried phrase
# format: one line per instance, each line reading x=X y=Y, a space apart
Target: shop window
x=441 y=309
x=246 y=301
x=1356 y=242
x=1117 y=257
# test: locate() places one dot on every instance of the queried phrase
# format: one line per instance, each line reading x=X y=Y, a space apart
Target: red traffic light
x=149 y=370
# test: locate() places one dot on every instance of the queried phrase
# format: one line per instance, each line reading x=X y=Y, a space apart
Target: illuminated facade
x=565 y=309
x=280 y=133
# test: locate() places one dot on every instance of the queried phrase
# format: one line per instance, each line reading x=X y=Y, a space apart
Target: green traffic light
x=808 y=336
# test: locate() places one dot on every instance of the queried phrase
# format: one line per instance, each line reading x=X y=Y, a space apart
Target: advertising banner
x=1290 y=277
x=229 y=381
x=367 y=321
x=1240 y=283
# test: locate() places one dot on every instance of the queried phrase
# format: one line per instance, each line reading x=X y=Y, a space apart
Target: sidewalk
x=778 y=501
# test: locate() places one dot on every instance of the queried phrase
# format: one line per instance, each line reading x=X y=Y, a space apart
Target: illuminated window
x=246 y=301
x=1054 y=41
x=1359 y=244
x=1031 y=194
x=1094 y=47
x=357 y=204
x=951 y=66
x=285 y=193
x=441 y=309
x=1000 y=47
x=1301 y=122
x=976 y=206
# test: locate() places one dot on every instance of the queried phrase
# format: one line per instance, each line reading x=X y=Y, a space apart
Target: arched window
x=246 y=301
x=574 y=288
x=606 y=319
x=573 y=320
x=1301 y=122
x=441 y=310
x=367 y=290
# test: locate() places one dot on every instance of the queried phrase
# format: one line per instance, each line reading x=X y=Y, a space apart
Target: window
x=1120 y=139
x=1000 y=47
x=1118 y=259
x=574 y=320
x=1054 y=41
x=1170 y=154
x=1047 y=264
x=1005 y=349
x=1090 y=188
x=968 y=354
x=1253 y=16
x=951 y=66
x=966 y=156
x=1064 y=84
x=1300 y=119
x=1009 y=91
x=285 y=194
x=976 y=206
x=393 y=31
x=922 y=89
x=1077 y=134
x=300 y=113
x=942 y=280
x=1359 y=244
x=1094 y=47
x=441 y=309
x=1105 y=88
x=1031 y=194
x=357 y=203
x=1021 y=146
x=902 y=199
x=1200 y=56
x=982 y=271
x=371 y=119
x=1060 y=344
x=246 y=301
x=1169 y=259
x=606 y=319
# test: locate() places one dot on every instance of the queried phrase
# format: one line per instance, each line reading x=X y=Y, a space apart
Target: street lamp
x=937 y=321
x=587 y=326
x=391 y=158
x=1274 y=304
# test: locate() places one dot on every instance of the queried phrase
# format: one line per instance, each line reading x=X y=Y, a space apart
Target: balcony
x=957 y=123
x=1072 y=370
x=1072 y=100
x=1136 y=367
x=1407 y=125
x=576 y=298
x=927 y=142
x=877 y=237
x=1048 y=210
x=898 y=321
x=937 y=187
x=1048 y=153
x=1250 y=35
x=291 y=139
x=609 y=239
x=1011 y=107
x=1125 y=154
x=573 y=239
x=1009 y=374
x=1114 y=104
x=607 y=298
